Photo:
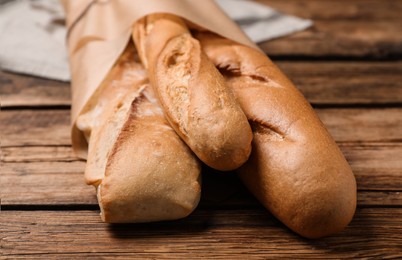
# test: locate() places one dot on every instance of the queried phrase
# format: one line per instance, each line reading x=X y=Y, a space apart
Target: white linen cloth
x=32 y=33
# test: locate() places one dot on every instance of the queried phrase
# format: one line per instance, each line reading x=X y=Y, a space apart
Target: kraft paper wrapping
x=99 y=31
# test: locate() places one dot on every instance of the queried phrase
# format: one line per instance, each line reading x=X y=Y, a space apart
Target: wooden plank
x=361 y=28
x=28 y=154
x=23 y=90
x=50 y=183
x=213 y=233
x=379 y=198
x=31 y=127
x=53 y=176
x=321 y=82
x=363 y=125
x=376 y=166
x=51 y=127
x=346 y=82
x=387 y=10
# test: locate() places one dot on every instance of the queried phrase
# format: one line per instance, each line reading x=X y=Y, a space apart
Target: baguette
x=295 y=169
x=197 y=103
x=142 y=170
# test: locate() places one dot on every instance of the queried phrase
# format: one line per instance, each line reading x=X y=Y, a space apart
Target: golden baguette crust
x=142 y=170
x=295 y=169
x=197 y=103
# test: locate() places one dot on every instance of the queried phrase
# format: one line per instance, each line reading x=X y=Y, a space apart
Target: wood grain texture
x=29 y=154
x=53 y=176
x=363 y=83
x=45 y=183
x=32 y=127
x=376 y=166
x=23 y=90
x=363 y=125
x=359 y=28
x=322 y=82
x=386 y=10
x=213 y=233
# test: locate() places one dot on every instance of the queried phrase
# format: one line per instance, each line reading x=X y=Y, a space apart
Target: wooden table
x=348 y=66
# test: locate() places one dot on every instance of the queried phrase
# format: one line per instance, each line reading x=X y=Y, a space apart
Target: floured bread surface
x=295 y=169
x=108 y=108
x=142 y=170
x=197 y=103
x=150 y=166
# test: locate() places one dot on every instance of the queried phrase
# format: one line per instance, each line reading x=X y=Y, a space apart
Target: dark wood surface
x=348 y=65
x=342 y=29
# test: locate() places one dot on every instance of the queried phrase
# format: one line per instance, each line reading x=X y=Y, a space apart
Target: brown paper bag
x=99 y=31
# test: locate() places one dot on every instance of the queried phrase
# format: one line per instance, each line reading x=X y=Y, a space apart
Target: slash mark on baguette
x=234 y=71
x=146 y=110
x=260 y=128
x=177 y=62
x=136 y=109
x=174 y=59
x=135 y=103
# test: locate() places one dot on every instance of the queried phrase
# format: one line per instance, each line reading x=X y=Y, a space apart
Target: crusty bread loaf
x=197 y=103
x=142 y=170
x=295 y=169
